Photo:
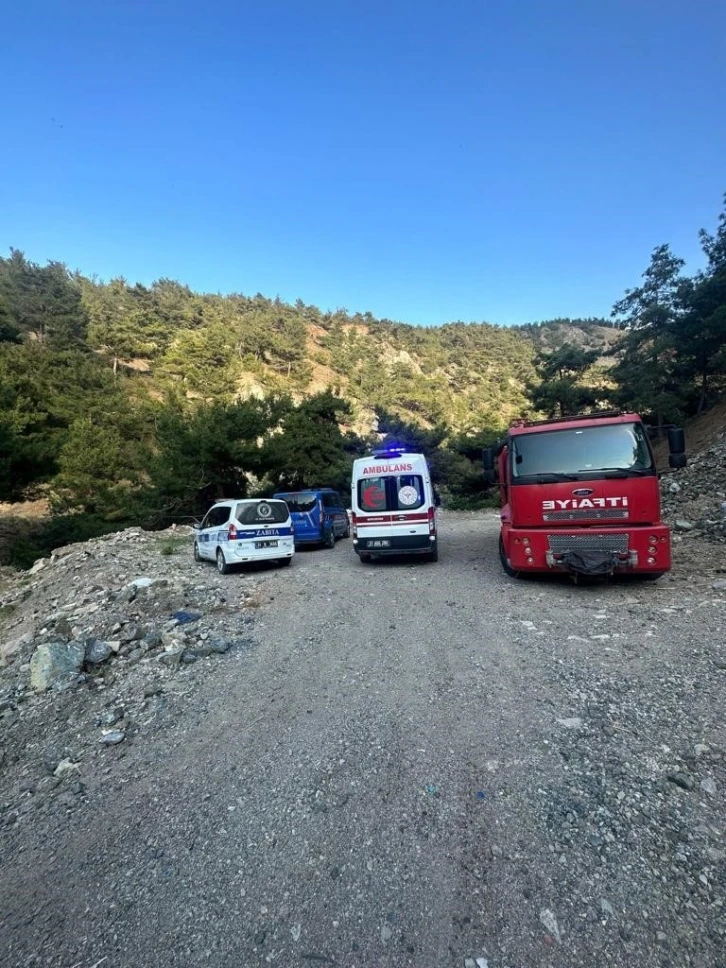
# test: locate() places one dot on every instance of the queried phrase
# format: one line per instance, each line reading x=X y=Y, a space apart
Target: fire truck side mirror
x=487 y=459
x=677 y=447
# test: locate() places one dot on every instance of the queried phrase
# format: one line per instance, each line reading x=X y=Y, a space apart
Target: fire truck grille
x=560 y=543
x=608 y=513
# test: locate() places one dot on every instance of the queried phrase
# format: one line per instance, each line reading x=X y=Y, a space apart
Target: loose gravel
x=396 y=764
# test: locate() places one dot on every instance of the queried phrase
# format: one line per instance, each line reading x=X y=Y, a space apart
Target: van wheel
x=364 y=558
x=222 y=566
x=434 y=555
x=346 y=533
x=330 y=539
x=197 y=556
x=284 y=562
x=512 y=572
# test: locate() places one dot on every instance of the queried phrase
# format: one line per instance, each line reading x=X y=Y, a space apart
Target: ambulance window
x=372 y=494
x=410 y=492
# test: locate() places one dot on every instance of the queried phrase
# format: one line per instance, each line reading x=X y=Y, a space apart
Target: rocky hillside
x=694 y=498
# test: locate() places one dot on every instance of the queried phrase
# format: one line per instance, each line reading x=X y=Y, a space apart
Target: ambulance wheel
x=197 y=556
x=222 y=566
x=330 y=539
x=364 y=558
x=284 y=562
x=512 y=572
x=434 y=555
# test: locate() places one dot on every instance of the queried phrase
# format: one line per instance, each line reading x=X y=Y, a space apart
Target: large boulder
x=56 y=664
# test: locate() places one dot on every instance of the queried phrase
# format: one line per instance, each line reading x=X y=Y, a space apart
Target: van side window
x=217 y=517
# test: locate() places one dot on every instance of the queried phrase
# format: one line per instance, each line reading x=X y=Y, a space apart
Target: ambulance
x=394 y=506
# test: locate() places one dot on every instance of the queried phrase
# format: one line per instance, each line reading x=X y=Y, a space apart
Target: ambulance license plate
x=265 y=544
x=380 y=543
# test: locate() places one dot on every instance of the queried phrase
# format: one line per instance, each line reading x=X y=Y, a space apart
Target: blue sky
x=506 y=161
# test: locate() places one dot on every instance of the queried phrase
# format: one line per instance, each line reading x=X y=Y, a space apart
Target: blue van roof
x=308 y=490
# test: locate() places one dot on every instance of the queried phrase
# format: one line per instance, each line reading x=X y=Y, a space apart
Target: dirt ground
x=400 y=764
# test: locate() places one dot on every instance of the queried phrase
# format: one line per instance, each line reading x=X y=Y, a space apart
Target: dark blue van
x=318 y=515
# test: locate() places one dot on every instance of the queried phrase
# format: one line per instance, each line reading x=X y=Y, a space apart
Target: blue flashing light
x=390 y=450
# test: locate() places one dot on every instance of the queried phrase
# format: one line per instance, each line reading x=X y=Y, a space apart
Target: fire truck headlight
x=652 y=550
x=525 y=541
x=530 y=561
x=652 y=539
x=651 y=561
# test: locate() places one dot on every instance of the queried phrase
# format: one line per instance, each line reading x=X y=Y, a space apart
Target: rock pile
x=86 y=616
x=694 y=498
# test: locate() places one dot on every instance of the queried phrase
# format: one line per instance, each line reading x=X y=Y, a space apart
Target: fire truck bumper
x=589 y=551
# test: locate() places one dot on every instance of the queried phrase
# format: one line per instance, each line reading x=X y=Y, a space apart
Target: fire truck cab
x=580 y=495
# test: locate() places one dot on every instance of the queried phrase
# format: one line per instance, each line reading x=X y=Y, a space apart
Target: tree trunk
x=704 y=393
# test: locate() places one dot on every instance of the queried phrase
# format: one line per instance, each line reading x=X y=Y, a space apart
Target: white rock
x=573 y=722
x=550 y=922
x=65 y=766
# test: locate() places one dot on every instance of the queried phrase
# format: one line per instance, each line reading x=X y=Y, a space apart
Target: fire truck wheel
x=651 y=576
x=512 y=572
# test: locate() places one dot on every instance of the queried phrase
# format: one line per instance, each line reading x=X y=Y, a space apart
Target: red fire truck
x=580 y=494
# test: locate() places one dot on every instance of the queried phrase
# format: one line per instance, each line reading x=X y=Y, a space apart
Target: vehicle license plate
x=380 y=543
x=265 y=544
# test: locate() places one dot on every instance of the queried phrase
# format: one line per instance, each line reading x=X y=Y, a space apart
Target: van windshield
x=400 y=492
x=302 y=502
x=611 y=448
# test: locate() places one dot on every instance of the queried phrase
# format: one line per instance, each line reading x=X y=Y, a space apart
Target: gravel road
x=410 y=764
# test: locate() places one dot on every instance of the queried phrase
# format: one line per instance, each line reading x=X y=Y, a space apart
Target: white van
x=394 y=506
x=235 y=532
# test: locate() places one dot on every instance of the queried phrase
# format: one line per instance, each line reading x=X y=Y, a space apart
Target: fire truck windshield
x=608 y=449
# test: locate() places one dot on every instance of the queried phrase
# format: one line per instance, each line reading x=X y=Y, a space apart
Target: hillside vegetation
x=124 y=403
